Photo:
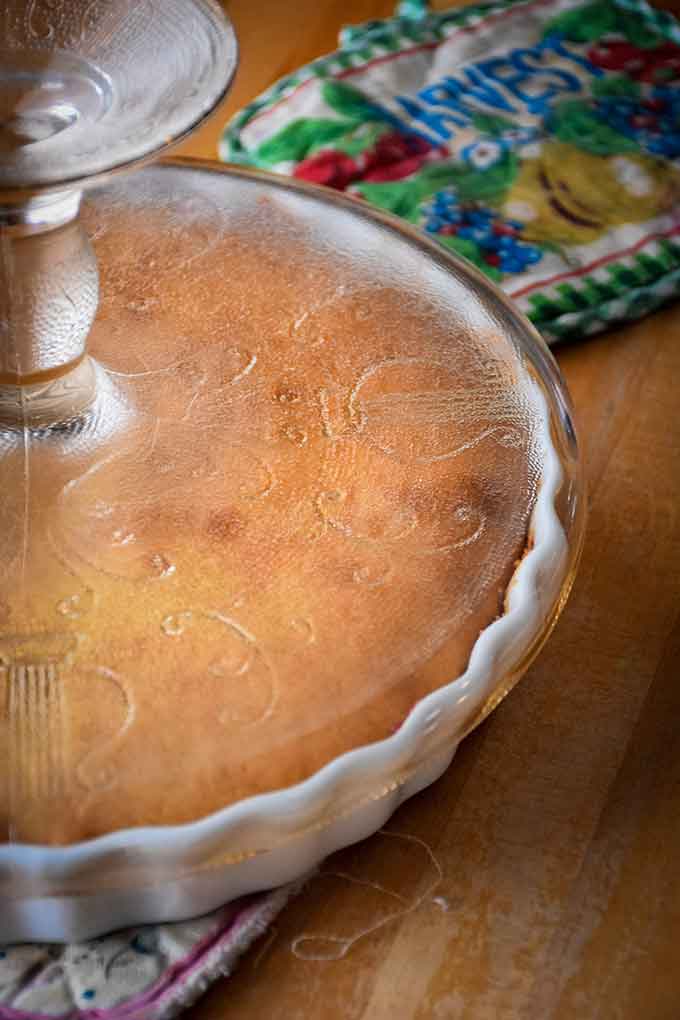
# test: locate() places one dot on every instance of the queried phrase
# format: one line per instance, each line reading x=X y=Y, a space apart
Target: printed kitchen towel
x=540 y=139
x=147 y=973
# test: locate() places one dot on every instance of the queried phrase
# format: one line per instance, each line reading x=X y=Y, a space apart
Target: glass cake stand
x=289 y=496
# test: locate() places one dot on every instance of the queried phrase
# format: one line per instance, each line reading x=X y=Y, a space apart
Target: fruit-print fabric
x=540 y=139
x=146 y=973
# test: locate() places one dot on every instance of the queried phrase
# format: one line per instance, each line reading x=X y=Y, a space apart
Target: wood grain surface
x=539 y=879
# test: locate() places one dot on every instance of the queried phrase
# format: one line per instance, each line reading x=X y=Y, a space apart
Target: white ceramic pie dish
x=162 y=873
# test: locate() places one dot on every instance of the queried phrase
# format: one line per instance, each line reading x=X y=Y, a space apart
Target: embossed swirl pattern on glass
x=296 y=497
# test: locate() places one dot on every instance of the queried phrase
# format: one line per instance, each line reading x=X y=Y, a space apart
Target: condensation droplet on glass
x=142 y=304
x=121 y=537
x=370 y=577
x=74 y=606
x=162 y=566
x=102 y=509
x=175 y=624
x=296 y=436
x=333 y=496
x=249 y=360
x=510 y=438
x=288 y=396
x=317 y=531
x=304 y=629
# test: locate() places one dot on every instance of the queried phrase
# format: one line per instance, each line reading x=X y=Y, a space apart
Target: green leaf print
x=615 y=85
x=298 y=138
x=491 y=124
x=351 y=103
x=472 y=252
x=637 y=32
x=490 y=185
x=577 y=124
x=362 y=138
x=588 y=23
x=403 y=198
x=584 y=24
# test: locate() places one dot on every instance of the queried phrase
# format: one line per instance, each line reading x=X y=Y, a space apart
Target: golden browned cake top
x=305 y=480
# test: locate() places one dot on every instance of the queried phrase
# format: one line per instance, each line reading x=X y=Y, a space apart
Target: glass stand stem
x=49 y=291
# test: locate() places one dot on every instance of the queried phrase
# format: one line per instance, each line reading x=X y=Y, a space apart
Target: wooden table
x=539 y=879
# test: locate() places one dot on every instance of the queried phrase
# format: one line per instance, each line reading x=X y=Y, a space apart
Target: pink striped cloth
x=146 y=973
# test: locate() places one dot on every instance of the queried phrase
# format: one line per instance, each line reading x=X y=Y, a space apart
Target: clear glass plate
x=329 y=475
